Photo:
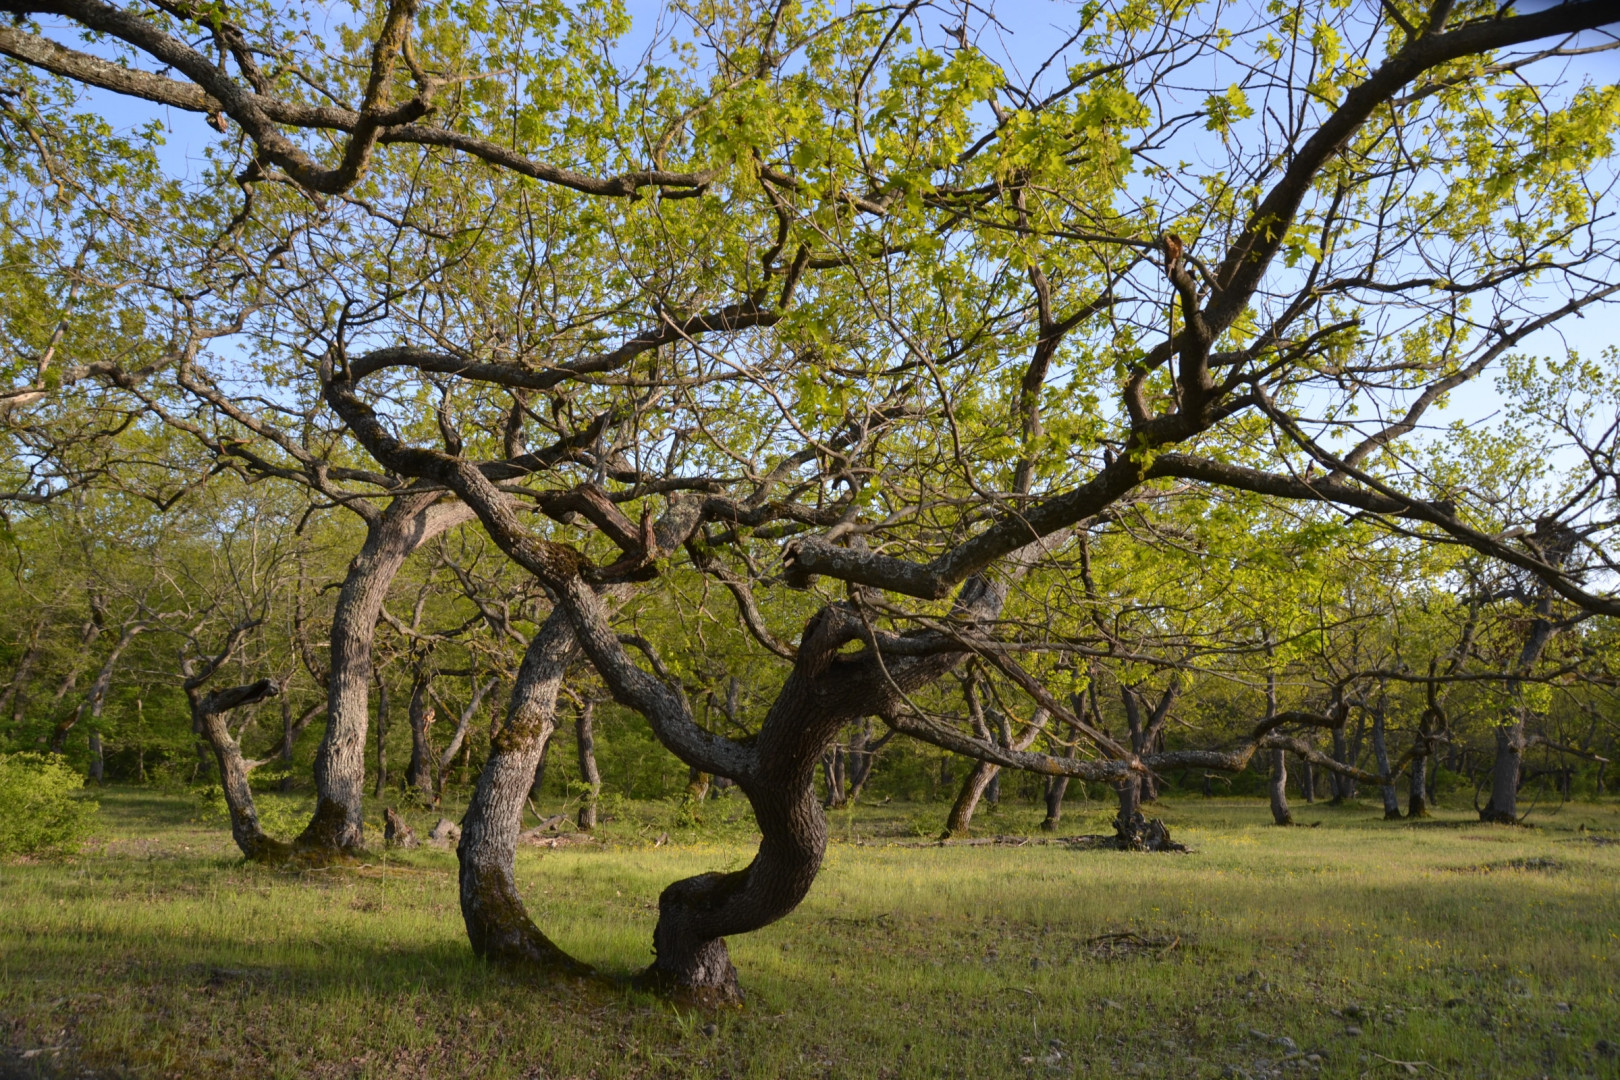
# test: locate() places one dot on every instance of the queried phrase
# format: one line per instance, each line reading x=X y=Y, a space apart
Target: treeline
x=107 y=596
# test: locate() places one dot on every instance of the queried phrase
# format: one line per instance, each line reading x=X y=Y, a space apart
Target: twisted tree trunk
x=823 y=691
x=695 y=915
x=498 y=926
x=208 y=712
x=1280 y=814
x=967 y=799
x=340 y=767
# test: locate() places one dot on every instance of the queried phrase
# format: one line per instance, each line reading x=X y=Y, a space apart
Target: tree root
x=277 y=853
x=1139 y=833
x=727 y=994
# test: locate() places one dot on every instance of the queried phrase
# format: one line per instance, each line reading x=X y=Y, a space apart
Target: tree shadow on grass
x=144 y=811
x=177 y=1003
x=323 y=964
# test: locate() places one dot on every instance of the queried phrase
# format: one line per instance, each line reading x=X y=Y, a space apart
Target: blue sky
x=1021 y=36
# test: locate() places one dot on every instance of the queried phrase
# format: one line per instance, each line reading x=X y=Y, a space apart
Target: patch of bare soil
x=1125 y=944
x=1535 y=863
x=551 y=834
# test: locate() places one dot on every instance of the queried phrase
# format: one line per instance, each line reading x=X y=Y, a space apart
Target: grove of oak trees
x=964 y=384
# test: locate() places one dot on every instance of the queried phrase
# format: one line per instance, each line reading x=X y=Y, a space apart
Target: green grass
x=1480 y=951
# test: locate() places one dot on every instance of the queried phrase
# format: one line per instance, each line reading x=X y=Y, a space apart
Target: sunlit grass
x=1481 y=951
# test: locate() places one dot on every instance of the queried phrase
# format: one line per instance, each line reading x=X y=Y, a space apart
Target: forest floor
x=1357 y=948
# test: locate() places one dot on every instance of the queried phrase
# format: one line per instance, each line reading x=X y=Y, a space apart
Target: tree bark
x=97 y=762
x=1417 y=802
x=1503 y=806
x=419 y=775
x=498 y=926
x=983 y=774
x=1144 y=791
x=1280 y=814
x=340 y=768
x=824 y=691
x=1126 y=829
x=1392 y=805
x=1338 y=782
x=967 y=799
x=1056 y=787
x=585 y=743
x=208 y=713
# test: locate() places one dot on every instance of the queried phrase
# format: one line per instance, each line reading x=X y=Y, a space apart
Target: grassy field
x=1357 y=948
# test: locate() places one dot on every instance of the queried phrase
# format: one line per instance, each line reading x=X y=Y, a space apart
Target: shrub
x=279 y=815
x=43 y=807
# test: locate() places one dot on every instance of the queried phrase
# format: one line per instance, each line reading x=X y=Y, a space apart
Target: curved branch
x=210 y=90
